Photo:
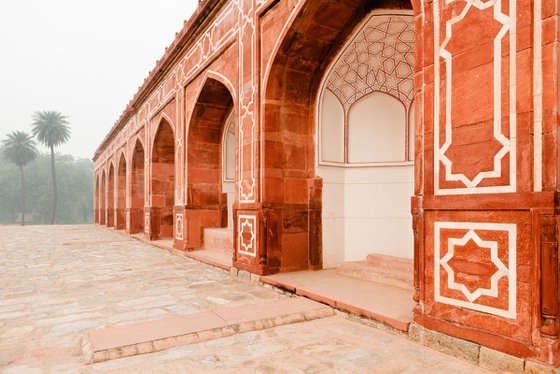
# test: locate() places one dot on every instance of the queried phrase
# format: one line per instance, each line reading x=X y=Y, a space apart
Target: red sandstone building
x=313 y=134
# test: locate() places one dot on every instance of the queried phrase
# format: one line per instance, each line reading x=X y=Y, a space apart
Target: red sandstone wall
x=485 y=223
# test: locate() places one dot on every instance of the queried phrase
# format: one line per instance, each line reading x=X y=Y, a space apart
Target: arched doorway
x=96 y=200
x=228 y=165
x=163 y=182
x=365 y=147
x=102 y=217
x=111 y=197
x=121 y=194
x=313 y=203
x=137 y=189
x=211 y=168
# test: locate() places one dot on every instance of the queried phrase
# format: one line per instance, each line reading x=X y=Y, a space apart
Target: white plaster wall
x=228 y=165
x=366 y=210
x=367 y=185
x=377 y=212
x=333 y=215
x=332 y=128
x=376 y=129
x=411 y=140
x=229 y=189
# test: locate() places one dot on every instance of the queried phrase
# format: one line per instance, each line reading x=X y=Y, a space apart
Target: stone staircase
x=219 y=239
x=390 y=270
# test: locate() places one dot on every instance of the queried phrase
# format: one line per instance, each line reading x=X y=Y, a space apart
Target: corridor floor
x=58 y=282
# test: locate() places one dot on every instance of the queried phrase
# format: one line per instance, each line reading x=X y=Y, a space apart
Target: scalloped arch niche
x=364 y=149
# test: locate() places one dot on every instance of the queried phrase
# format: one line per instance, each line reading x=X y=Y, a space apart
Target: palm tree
x=51 y=129
x=19 y=148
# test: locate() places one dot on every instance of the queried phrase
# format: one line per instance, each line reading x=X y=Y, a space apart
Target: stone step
x=212 y=257
x=151 y=336
x=393 y=271
x=400 y=263
x=218 y=239
x=384 y=303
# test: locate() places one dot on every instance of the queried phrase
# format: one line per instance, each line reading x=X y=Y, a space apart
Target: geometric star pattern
x=379 y=58
x=493 y=246
x=497 y=301
x=247 y=234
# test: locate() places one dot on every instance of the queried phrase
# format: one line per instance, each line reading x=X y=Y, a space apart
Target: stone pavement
x=58 y=282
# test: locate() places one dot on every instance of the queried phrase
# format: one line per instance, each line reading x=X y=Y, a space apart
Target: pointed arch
x=205 y=192
x=102 y=199
x=111 y=196
x=121 y=192
x=96 y=199
x=163 y=181
x=137 y=188
x=309 y=43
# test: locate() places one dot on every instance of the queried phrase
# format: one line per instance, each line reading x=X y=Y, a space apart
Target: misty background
x=84 y=60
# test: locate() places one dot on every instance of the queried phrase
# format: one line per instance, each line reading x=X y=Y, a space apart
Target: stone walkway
x=58 y=282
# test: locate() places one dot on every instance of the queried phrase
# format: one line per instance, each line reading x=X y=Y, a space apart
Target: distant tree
x=19 y=148
x=74 y=176
x=52 y=130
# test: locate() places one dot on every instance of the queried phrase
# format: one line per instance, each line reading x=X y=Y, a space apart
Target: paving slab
x=51 y=294
x=388 y=304
x=150 y=336
x=326 y=345
x=212 y=257
x=58 y=282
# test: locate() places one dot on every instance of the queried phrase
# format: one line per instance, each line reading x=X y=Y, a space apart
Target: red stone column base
x=110 y=218
x=180 y=227
x=135 y=217
x=120 y=222
x=272 y=238
x=102 y=217
x=197 y=220
x=154 y=223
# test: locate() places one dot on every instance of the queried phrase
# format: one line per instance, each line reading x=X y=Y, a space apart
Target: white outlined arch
x=224 y=81
x=323 y=87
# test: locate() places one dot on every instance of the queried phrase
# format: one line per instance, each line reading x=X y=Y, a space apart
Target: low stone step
x=212 y=257
x=390 y=270
x=392 y=262
x=219 y=239
x=151 y=336
x=387 y=304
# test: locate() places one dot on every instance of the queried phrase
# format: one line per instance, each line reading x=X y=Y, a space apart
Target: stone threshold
x=206 y=256
x=151 y=336
x=389 y=305
x=211 y=257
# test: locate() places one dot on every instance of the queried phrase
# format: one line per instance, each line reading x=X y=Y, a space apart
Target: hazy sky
x=85 y=59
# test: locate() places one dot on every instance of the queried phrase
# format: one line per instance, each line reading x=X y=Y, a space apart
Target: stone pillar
x=135 y=218
x=148 y=225
x=120 y=222
x=180 y=228
x=485 y=211
x=249 y=253
x=153 y=223
x=110 y=217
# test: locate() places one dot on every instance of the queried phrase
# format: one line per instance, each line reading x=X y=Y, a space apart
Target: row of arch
x=147 y=201
x=111 y=191
x=144 y=199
